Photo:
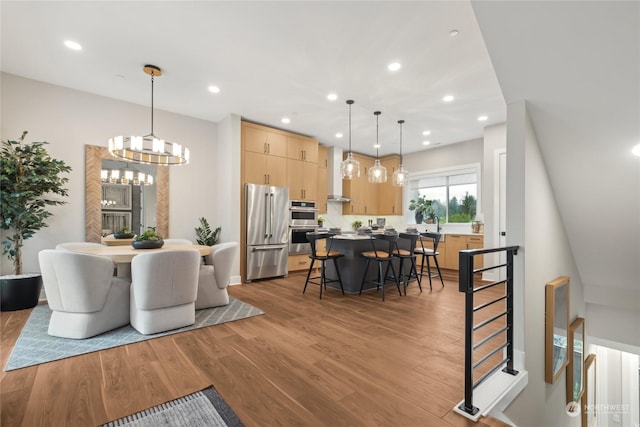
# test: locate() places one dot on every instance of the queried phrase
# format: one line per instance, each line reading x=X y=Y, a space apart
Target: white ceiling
x=270 y=60
x=577 y=63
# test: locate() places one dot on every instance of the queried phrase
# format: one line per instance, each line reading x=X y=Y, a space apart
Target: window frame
x=440 y=172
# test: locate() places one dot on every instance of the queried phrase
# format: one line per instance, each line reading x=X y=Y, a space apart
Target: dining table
x=121 y=254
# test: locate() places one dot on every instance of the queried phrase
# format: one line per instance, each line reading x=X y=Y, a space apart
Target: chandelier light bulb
x=400 y=175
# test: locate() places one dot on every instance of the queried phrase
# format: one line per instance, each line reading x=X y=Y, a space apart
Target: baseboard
x=235 y=280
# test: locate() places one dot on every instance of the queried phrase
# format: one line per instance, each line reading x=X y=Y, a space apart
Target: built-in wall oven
x=303 y=218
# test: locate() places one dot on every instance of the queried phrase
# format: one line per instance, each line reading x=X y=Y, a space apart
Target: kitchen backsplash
x=334 y=218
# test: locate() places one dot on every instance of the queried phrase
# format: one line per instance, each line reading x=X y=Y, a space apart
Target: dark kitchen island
x=352 y=264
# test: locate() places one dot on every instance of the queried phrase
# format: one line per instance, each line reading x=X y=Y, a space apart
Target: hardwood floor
x=343 y=360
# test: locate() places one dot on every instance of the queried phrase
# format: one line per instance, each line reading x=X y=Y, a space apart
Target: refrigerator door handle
x=266 y=215
x=267 y=248
x=271 y=217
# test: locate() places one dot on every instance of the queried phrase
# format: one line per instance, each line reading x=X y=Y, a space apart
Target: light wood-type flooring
x=343 y=360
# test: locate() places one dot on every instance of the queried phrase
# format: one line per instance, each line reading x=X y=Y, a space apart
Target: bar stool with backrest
x=428 y=253
x=408 y=240
x=381 y=257
x=323 y=257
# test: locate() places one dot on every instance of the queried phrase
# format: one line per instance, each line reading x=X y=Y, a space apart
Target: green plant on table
x=149 y=234
x=206 y=236
x=29 y=179
x=356 y=224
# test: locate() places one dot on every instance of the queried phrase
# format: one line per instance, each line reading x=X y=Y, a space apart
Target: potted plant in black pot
x=30 y=182
x=423 y=209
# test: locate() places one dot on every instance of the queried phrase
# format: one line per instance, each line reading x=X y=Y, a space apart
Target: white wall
x=534 y=223
x=68 y=119
x=495 y=138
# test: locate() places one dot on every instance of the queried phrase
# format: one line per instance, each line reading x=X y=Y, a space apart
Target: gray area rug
x=35 y=345
x=203 y=408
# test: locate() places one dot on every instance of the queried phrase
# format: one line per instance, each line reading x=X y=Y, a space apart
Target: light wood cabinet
x=461 y=242
x=364 y=196
x=389 y=196
x=299 y=262
x=302 y=183
x=261 y=139
x=264 y=169
x=304 y=149
x=323 y=175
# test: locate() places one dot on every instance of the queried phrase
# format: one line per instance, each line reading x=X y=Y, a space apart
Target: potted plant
x=423 y=209
x=356 y=224
x=30 y=180
x=321 y=221
x=206 y=236
x=148 y=240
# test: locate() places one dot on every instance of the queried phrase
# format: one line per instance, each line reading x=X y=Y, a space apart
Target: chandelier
x=377 y=173
x=149 y=148
x=350 y=167
x=400 y=175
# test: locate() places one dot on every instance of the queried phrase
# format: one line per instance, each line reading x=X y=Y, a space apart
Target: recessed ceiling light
x=426 y=142
x=394 y=66
x=338 y=135
x=214 y=89
x=636 y=150
x=453 y=33
x=482 y=118
x=448 y=98
x=332 y=97
x=426 y=133
x=376 y=145
x=286 y=120
x=72 y=45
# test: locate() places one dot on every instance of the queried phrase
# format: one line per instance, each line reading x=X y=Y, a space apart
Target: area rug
x=35 y=346
x=203 y=408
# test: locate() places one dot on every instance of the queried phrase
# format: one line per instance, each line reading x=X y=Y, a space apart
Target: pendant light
x=149 y=149
x=400 y=175
x=377 y=173
x=350 y=167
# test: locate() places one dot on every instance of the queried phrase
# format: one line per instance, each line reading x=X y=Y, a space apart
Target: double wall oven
x=303 y=218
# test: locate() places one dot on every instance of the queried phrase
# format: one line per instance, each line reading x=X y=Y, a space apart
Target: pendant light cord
x=350 y=103
x=377 y=113
x=152 y=103
x=400 y=122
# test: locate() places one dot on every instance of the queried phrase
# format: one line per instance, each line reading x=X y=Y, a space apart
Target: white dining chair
x=163 y=290
x=214 y=276
x=84 y=296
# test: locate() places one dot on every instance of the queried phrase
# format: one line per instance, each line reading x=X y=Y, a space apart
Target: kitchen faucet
x=438 y=228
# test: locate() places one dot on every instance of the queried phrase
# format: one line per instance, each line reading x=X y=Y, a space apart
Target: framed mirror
x=589 y=395
x=556 y=327
x=575 y=370
x=94 y=155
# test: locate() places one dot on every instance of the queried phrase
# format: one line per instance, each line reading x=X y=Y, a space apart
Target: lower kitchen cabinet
x=299 y=262
x=461 y=242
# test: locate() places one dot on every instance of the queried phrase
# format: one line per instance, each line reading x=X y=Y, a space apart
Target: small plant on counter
x=149 y=234
x=356 y=224
x=423 y=208
x=206 y=236
x=321 y=220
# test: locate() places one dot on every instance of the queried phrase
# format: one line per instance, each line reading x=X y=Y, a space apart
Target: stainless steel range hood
x=334 y=177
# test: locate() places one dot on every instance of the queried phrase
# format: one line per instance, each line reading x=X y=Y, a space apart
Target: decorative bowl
x=123 y=235
x=147 y=244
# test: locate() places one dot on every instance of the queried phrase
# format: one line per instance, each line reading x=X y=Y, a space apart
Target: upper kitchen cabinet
x=261 y=139
x=323 y=175
x=264 y=169
x=389 y=196
x=264 y=155
x=302 y=180
x=300 y=148
x=364 y=196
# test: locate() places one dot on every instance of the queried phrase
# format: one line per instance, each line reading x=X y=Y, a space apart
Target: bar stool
x=381 y=256
x=408 y=254
x=428 y=253
x=323 y=257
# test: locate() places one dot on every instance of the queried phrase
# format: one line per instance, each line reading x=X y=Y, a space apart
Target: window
x=454 y=193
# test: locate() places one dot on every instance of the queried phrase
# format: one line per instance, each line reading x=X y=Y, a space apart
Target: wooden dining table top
x=124 y=254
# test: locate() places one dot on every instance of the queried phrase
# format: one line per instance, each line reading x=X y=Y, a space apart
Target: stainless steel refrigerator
x=267 y=231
